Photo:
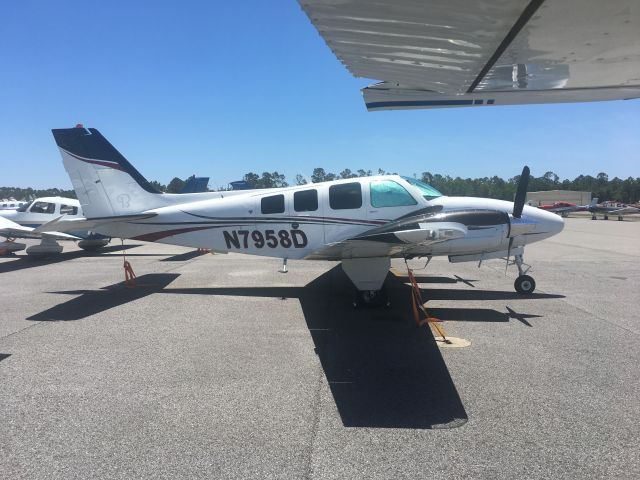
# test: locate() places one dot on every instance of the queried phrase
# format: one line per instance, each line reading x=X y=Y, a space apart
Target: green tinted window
x=387 y=193
x=426 y=190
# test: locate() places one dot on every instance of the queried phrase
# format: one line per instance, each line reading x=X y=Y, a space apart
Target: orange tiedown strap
x=129 y=274
x=418 y=306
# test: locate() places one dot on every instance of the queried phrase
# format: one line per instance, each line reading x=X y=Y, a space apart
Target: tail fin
x=195 y=184
x=105 y=182
x=594 y=202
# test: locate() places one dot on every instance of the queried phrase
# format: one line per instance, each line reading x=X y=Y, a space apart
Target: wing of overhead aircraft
x=455 y=53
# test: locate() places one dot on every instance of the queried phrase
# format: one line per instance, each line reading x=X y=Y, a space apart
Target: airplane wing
x=11 y=229
x=624 y=211
x=454 y=53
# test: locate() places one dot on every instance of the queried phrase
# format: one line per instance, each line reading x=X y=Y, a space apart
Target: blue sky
x=223 y=88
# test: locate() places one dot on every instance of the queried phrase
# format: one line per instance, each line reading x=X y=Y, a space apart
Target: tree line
x=601 y=186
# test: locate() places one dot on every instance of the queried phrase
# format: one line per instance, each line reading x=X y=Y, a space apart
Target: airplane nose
x=546 y=222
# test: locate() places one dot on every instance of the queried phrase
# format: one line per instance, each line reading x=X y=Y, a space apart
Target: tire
x=525 y=284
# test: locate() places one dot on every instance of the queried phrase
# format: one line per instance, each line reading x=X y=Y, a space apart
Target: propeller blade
x=521 y=193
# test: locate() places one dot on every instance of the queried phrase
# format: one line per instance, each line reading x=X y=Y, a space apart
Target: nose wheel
x=524 y=284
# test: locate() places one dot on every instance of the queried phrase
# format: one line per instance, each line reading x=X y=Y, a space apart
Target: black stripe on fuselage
x=472 y=219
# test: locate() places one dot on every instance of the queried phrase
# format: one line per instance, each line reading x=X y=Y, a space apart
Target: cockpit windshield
x=24 y=207
x=427 y=191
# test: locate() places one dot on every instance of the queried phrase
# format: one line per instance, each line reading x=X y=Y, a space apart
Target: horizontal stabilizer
x=14 y=230
x=60 y=224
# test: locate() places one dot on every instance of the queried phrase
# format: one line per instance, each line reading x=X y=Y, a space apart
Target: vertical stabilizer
x=105 y=182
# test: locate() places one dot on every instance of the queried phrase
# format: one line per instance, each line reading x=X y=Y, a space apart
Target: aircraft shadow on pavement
x=383 y=370
x=91 y=302
x=21 y=262
x=4 y=356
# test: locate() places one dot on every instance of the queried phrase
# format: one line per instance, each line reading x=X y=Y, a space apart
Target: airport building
x=550 y=196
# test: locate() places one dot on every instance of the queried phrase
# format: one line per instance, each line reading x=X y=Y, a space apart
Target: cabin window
x=426 y=190
x=43 y=207
x=68 y=209
x=387 y=193
x=345 y=196
x=272 y=204
x=305 y=201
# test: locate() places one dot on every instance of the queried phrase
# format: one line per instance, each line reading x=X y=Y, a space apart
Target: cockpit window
x=43 y=207
x=68 y=209
x=23 y=208
x=427 y=191
x=387 y=193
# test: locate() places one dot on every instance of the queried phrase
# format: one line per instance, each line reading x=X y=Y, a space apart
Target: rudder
x=105 y=182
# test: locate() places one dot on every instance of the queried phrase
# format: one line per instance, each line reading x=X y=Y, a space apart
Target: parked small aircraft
x=10 y=204
x=561 y=208
x=611 y=208
x=22 y=223
x=362 y=222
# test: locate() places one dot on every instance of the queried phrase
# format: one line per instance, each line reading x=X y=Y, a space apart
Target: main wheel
x=525 y=284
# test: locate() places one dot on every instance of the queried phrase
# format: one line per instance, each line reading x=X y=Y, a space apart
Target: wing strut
x=526 y=15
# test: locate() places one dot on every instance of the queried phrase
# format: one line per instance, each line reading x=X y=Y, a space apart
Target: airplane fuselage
x=305 y=221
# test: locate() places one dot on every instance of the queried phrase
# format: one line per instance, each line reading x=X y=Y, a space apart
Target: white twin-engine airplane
x=362 y=222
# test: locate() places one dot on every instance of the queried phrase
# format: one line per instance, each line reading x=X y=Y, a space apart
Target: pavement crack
x=315 y=426
x=35 y=324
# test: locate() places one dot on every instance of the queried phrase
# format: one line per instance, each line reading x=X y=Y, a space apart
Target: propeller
x=518 y=205
x=521 y=193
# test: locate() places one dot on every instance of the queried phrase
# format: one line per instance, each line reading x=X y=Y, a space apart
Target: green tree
x=175 y=185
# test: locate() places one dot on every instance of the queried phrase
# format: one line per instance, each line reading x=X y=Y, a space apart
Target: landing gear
x=368 y=275
x=371 y=298
x=620 y=218
x=606 y=217
x=524 y=284
x=89 y=245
